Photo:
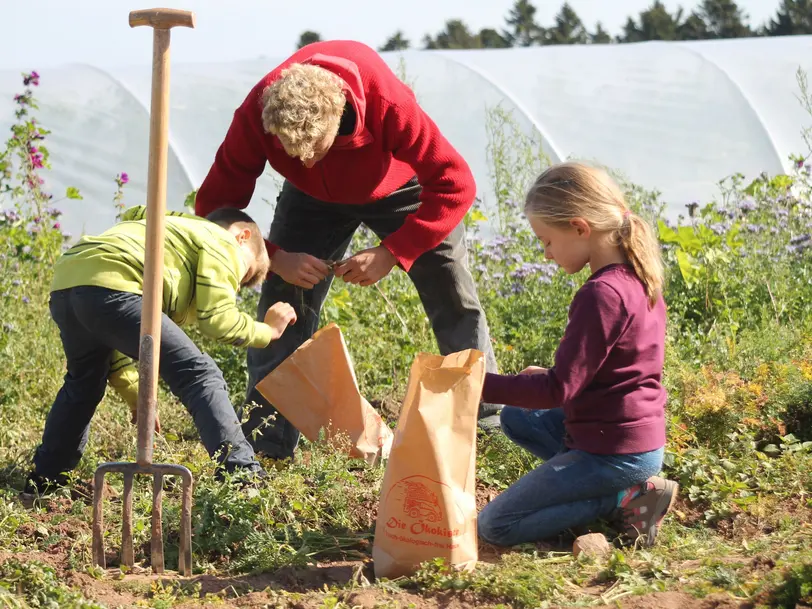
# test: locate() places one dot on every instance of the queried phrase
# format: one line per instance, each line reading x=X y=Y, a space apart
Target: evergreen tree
x=794 y=17
x=523 y=30
x=656 y=23
x=568 y=28
x=308 y=37
x=396 y=42
x=600 y=35
x=491 y=39
x=724 y=19
x=456 y=35
x=693 y=28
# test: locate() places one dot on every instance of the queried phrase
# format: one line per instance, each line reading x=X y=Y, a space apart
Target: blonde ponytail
x=643 y=252
x=576 y=190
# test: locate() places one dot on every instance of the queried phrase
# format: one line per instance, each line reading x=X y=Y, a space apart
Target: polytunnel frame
x=558 y=152
x=173 y=147
x=511 y=97
x=737 y=86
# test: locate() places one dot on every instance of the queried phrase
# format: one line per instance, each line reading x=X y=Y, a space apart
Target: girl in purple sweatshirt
x=597 y=416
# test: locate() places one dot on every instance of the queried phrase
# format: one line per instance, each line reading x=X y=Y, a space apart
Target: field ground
x=738 y=373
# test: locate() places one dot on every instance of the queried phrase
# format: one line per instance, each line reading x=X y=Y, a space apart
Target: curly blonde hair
x=303 y=107
x=577 y=190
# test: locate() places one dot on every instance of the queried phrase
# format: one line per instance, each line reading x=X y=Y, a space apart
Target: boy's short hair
x=229 y=216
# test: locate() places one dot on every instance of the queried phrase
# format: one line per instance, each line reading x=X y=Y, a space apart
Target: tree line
x=711 y=19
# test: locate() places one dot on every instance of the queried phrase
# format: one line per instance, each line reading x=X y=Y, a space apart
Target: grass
x=738 y=373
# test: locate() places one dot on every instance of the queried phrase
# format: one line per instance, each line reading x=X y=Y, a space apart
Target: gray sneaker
x=488 y=417
x=644 y=507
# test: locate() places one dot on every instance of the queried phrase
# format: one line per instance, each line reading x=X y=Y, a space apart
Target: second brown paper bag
x=427 y=505
x=315 y=388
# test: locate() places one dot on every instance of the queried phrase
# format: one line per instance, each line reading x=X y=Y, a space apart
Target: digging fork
x=162 y=21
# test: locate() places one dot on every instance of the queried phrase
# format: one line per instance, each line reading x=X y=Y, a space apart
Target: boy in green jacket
x=96 y=303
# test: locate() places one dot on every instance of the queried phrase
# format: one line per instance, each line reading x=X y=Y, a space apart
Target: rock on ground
x=593 y=544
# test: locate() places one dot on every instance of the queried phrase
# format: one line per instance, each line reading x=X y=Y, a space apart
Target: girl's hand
x=533 y=370
x=280 y=316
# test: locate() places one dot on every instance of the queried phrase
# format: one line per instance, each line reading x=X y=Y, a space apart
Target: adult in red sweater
x=354 y=148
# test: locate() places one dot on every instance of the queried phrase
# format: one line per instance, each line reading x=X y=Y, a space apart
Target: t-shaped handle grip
x=162 y=18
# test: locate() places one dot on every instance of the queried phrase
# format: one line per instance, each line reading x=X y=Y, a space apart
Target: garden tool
x=162 y=21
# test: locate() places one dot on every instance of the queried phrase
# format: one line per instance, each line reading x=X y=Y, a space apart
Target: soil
x=306 y=588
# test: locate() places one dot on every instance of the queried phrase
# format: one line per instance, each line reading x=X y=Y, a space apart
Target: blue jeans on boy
x=95 y=321
x=571 y=488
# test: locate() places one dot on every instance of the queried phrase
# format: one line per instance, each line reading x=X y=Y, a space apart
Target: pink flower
x=800 y=164
x=124 y=178
x=36 y=161
x=57 y=226
x=31 y=79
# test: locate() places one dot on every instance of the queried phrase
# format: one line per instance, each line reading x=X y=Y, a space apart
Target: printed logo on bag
x=419 y=515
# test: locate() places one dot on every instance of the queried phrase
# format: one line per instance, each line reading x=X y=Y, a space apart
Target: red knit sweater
x=394 y=140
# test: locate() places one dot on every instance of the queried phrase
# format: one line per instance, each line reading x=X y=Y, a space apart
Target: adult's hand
x=302 y=270
x=367 y=267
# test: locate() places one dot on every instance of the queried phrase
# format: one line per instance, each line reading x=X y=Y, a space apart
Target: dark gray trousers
x=93 y=322
x=307 y=225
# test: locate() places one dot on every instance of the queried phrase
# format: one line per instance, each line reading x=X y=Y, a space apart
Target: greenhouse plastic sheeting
x=676 y=117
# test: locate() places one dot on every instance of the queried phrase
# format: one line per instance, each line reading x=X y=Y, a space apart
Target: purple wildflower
x=747 y=205
x=26 y=300
x=124 y=178
x=16 y=283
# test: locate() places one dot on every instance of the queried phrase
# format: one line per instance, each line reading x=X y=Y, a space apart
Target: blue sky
x=42 y=33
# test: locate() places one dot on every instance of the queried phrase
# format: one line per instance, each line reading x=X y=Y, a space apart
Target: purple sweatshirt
x=607 y=371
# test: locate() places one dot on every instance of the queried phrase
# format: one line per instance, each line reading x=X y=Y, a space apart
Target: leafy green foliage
x=738 y=374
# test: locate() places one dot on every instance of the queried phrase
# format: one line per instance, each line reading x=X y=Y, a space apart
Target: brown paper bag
x=427 y=505
x=315 y=388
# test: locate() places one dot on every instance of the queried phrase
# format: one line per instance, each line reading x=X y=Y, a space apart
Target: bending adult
x=354 y=148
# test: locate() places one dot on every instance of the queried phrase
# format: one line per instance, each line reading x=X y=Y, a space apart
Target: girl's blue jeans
x=570 y=489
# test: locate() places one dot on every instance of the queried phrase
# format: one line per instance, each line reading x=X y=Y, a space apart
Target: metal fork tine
x=185 y=557
x=157 y=524
x=127 y=554
x=98 y=519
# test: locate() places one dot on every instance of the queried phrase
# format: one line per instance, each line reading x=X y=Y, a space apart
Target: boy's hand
x=279 y=317
x=367 y=267
x=302 y=270
x=533 y=370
